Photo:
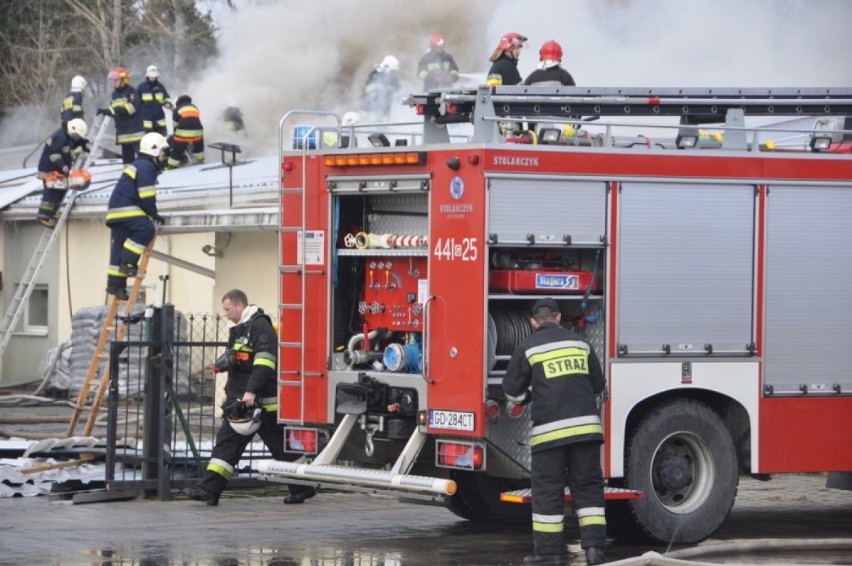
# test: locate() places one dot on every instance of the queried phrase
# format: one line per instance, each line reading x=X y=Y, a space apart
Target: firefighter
x=125 y=109
x=381 y=86
x=55 y=165
x=153 y=97
x=550 y=71
x=72 y=104
x=437 y=68
x=189 y=134
x=132 y=212
x=232 y=116
x=504 y=59
x=565 y=376
x=251 y=363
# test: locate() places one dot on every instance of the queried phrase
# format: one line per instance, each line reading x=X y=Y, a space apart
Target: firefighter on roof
x=125 y=109
x=153 y=97
x=504 y=59
x=251 y=364
x=379 y=90
x=550 y=71
x=565 y=376
x=188 y=136
x=437 y=68
x=233 y=118
x=55 y=165
x=72 y=104
x=132 y=212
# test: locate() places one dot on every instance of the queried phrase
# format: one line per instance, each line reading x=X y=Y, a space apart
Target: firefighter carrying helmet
x=78 y=84
x=152 y=72
x=152 y=143
x=436 y=41
x=77 y=126
x=244 y=420
x=119 y=73
x=550 y=51
x=389 y=63
x=510 y=40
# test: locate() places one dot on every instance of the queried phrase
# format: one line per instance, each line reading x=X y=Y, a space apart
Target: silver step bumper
x=322 y=469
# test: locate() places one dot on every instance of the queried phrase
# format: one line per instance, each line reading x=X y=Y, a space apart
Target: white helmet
x=350 y=118
x=244 y=420
x=152 y=72
x=77 y=126
x=389 y=63
x=152 y=143
x=78 y=84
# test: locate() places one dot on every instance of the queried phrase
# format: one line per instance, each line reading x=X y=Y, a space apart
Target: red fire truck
x=708 y=267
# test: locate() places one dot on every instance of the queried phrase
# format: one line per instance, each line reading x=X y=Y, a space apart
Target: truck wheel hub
x=674 y=473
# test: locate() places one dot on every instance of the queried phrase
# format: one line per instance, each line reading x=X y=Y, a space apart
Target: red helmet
x=436 y=41
x=510 y=40
x=551 y=51
x=119 y=73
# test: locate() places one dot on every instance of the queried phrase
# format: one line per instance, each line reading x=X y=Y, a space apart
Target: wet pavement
x=253 y=527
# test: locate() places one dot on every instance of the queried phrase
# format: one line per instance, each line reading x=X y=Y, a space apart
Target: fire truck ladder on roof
x=100 y=354
x=45 y=244
x=485 y=105
x=294 y=377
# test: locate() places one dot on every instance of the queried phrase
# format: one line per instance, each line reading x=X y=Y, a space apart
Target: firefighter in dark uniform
x=565 y=376
x=153 y=97
x=189 y=134
x=251 y=363
x=124 y=108
x=504 y=59
x=132 y=212
x=550 y=71
x=437 y=68
x=55 y=164
x=72 y=104
x=379 y=90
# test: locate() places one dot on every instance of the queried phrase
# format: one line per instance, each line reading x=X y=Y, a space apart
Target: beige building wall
x=249 y=262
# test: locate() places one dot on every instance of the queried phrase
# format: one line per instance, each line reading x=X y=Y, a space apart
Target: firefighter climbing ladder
x=103 y=338
x=48 y=239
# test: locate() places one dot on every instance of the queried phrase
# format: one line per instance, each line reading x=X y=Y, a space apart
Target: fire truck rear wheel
x=477 y=498
x=682 y=457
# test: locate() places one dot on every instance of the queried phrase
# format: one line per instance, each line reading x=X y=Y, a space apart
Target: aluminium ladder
x=100 y=354
x=48 y=239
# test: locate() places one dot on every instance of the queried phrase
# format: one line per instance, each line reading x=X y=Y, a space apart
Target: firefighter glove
x=224 y=362
x=159 y=219
x=103 y=112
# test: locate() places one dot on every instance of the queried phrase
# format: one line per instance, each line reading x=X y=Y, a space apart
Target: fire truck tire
x=477 y=498
x=682 y=457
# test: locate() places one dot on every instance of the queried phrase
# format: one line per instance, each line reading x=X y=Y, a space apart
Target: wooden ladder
x=106 y=330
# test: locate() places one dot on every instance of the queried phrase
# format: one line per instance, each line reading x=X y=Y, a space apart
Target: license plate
x=450 y=420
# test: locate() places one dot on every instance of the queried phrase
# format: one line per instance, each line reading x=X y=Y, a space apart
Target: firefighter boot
x=119 y=292
x=129 y=269
x=595 y=555
x=48 y=214
x=545 y=560
x=201 y=494
x=300 y=496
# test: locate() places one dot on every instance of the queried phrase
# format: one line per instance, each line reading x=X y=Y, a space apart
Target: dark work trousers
x=128 y=152
x=230 y=446
x=579 y=465
x=50 y=200
x=129 y=238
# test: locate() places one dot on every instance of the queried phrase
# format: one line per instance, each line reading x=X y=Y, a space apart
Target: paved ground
x=252 y=527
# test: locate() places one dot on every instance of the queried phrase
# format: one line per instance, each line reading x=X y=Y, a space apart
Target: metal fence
x=162 y=408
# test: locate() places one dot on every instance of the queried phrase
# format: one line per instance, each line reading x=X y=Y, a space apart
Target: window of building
x=35 y=315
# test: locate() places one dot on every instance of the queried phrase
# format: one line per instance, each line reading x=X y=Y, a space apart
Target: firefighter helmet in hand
x=77 y=126
x=550 y=51
x=510 y=40
x=152 y=143
x=78 y=84
x=244 y=420
x=119 y=73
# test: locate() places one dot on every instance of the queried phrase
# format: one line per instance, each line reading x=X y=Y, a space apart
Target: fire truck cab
x=703 y=255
